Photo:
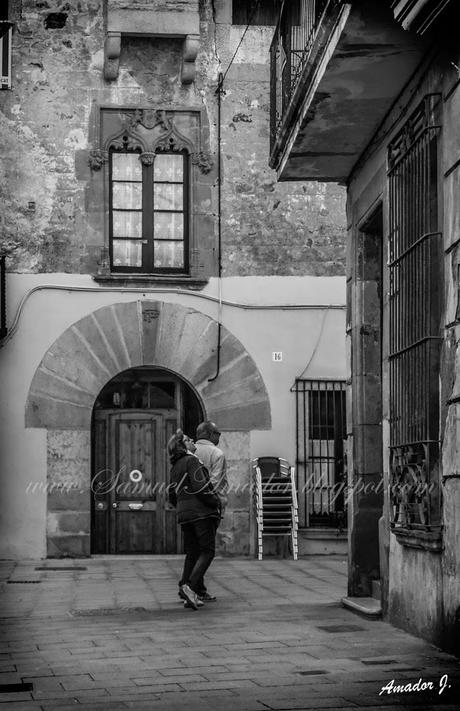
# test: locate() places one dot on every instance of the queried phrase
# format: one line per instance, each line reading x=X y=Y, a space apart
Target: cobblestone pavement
x=110 y=634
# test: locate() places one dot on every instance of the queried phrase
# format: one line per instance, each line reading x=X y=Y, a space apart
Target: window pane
x=169 y=254
x=127 y=224
x=126 y=166
x=127 y=253
x=162 y=395
x=169 y=168
x=168 y=225
x=168 y=197
x=127 y=195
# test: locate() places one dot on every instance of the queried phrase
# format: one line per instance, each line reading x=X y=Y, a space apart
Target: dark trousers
x=200 y=549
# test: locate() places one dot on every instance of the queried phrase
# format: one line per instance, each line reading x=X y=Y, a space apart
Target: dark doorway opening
x=367 y=474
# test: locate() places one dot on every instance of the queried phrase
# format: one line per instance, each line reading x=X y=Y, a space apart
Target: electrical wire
x=251 y=17
x=315 y=348
x=219 y=92
x=138 y=290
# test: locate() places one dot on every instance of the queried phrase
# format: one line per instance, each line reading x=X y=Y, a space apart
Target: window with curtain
x=148 y=212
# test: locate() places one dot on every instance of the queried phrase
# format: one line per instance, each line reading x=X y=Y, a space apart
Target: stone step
x=366 y=606
x=322 y=541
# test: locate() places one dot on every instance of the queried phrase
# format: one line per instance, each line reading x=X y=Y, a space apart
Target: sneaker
x=206 y=597
x=189 y=596
x=199 y=603
x=184 y=599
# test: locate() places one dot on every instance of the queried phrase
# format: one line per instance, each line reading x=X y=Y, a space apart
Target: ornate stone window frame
x=151 y=130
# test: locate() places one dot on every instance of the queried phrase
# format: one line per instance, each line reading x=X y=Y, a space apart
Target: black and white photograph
x=229 y=355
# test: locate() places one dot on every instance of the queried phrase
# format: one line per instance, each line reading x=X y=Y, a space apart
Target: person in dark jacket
x=198 y=513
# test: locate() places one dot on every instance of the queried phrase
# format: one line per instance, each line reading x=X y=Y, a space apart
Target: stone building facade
x=128 y=315
x=376 y=108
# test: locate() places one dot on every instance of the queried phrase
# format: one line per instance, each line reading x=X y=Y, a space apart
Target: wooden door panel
x=135 y=532
x=135 y=451
x=134 y=520
x=130 y=515
x=100 y=513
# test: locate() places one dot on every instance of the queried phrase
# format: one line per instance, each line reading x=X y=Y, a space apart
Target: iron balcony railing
x=3 y=329
x=289 y=53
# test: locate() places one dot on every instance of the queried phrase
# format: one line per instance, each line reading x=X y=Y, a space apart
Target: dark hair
x=176 y=446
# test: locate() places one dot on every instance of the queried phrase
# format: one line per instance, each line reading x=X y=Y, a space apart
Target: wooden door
x=130 y=507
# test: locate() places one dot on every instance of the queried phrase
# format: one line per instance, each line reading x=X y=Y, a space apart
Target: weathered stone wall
x=157 y=5
x=68 y=521
x=44 y=121
x=268 y=227
x=52 y=220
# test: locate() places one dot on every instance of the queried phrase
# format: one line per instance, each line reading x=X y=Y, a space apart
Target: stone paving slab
x=114 y=637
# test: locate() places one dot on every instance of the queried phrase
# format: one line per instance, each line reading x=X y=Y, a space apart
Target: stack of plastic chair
x=275 y=500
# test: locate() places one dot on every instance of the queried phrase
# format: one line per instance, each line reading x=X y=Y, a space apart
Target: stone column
x=366 y=473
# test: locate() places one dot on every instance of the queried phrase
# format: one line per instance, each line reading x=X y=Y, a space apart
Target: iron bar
x=415 y=310
x=289 y=54
x=321 y=431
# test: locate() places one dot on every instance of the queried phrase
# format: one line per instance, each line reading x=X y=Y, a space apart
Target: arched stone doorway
x=134 y=415
x=123 y=336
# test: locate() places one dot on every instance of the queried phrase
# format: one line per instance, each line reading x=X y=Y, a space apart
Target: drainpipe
x=219 y=92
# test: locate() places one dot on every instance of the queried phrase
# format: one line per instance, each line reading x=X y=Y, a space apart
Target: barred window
x=414 y=323
x=320 y=459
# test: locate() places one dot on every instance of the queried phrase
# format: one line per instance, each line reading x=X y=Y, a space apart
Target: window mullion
x=186 y=211
x=147 y=218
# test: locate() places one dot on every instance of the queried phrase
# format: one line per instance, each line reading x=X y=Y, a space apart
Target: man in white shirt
x=213 y=458
x=207 y=439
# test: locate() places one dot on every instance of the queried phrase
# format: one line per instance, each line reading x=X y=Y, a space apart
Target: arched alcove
x=110 y=341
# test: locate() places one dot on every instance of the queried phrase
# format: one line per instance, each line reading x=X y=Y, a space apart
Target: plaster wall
x=27 y=454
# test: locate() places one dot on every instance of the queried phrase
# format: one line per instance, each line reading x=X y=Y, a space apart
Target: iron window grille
x=320 y=452
x=415 y=286
x=148 y=211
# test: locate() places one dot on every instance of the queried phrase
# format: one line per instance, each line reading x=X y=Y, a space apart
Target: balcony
x=3 y=329
x=336 y=69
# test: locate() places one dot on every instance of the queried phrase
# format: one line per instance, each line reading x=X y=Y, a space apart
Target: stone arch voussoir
x=126 y=335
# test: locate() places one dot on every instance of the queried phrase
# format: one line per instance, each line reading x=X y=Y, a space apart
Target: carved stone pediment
x=172 y=140
x=150 y=119
x=136 y=19
x=149 y=131
x=127 y=140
